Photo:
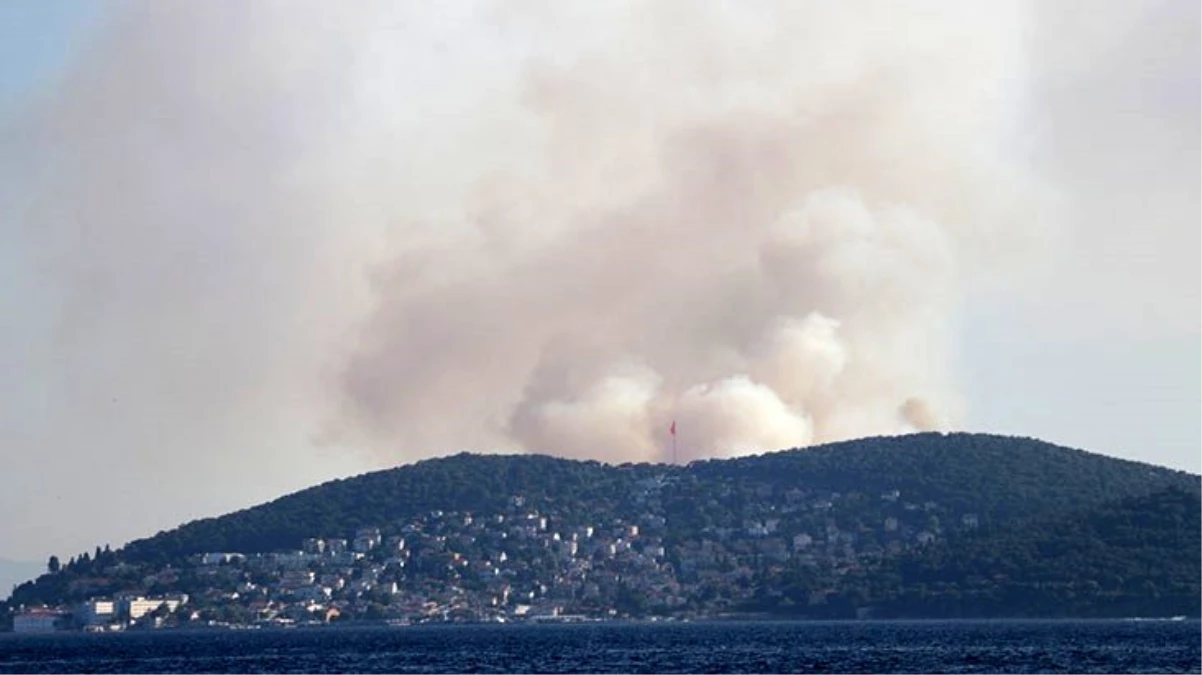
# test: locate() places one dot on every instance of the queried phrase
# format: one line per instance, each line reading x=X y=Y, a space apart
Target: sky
x=252 y=247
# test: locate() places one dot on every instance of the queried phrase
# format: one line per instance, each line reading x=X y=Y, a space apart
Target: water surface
x=735 y=647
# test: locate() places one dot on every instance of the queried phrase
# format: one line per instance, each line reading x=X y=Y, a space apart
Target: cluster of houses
x=525 y=562
x=100 y=614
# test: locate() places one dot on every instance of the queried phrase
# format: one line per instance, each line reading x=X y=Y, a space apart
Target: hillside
x=464 y=482
x=919 y=525
x=993 y=476
x=996 y=476
x=1132 y=557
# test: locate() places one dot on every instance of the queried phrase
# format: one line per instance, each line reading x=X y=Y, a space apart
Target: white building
x=36 y=621
x=136 y=608
x=346 y=558
x=296 y=578
x=96 y=612
x=366 y=538
x=293 y=560
x=219 y=558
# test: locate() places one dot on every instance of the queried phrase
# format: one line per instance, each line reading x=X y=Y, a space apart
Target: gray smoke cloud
x=400 y=231
x=754 y=222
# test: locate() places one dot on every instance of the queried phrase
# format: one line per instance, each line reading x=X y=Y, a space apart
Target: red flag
x=673 y=428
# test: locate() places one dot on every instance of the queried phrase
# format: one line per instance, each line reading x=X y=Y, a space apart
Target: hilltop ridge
x=995 y=476
x=918 y=525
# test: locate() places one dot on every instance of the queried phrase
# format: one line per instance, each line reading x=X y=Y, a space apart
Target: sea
x=1130 y=646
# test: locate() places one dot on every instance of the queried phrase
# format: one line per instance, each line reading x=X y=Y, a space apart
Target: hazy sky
x=249 y=247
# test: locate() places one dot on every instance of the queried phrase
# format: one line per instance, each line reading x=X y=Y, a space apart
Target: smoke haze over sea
x=266 y=235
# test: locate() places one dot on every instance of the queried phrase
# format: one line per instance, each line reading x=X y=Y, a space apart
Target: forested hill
x=995 y=478
x=923 y=525
x=1132 y=557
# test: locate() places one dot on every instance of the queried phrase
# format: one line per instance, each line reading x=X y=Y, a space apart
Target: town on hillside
x=521 y=563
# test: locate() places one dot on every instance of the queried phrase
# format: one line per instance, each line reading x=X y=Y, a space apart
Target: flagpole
x=673 y=442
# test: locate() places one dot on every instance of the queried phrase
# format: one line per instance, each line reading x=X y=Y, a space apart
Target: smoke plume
x=407 y=230
x=752 y=222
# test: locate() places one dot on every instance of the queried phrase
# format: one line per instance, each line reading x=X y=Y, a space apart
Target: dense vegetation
x=997 y=477
x=463 y=482
x=919 y=525
x=1133 y=557
x=994 y=476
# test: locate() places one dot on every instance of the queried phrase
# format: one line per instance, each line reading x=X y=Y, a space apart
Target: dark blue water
x=743 y=647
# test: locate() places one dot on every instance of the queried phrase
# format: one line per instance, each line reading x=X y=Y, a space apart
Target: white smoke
x=535 y=226
x=736 y=416
x=752 y=221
